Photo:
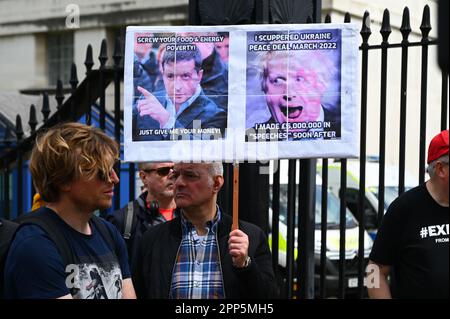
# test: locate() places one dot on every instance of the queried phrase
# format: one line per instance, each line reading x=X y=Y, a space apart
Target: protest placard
x=234 y=93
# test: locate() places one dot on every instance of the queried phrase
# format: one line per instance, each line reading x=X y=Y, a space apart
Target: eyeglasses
x=107 y=176
x=162 y=171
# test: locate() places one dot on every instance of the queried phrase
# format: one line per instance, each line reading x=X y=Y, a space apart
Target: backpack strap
x=7 y=231
x=48 y=223
x=129 y=216
x=105 y=233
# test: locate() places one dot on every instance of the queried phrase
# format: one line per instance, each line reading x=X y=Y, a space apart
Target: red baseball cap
x=438 y=146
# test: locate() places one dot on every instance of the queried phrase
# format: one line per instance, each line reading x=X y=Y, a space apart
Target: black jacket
x=152 y=272
x=7 y=231
x=202 y=109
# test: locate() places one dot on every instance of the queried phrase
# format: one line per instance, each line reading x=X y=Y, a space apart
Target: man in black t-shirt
x=412 y=244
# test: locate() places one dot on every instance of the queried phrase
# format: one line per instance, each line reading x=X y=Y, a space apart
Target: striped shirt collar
x=197 y=273
x=211 y=225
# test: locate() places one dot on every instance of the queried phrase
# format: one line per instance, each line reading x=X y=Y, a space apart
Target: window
x=59 y=57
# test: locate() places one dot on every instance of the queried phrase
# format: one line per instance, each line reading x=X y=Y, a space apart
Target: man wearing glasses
x=58 y=245
x=154 y=206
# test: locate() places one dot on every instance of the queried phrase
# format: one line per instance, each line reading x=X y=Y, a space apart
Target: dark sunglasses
x=106 y=177
x=162 y=171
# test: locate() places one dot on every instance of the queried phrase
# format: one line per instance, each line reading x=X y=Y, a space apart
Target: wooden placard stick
x=235 y=196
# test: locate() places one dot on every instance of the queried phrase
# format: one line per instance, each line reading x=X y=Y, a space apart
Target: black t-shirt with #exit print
x=413 y=240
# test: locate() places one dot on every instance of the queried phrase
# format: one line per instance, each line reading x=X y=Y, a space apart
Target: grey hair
x=431 y=167
x=216 y=168
x=145 y=165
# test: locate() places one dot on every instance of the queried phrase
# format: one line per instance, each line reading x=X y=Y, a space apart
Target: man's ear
x=439 y=169
x=142 y=176
x=218 y=183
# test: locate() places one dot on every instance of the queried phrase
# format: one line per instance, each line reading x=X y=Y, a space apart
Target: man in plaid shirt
x=196 y=255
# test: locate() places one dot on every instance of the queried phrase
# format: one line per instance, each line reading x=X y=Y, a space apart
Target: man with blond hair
x=55 y=249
